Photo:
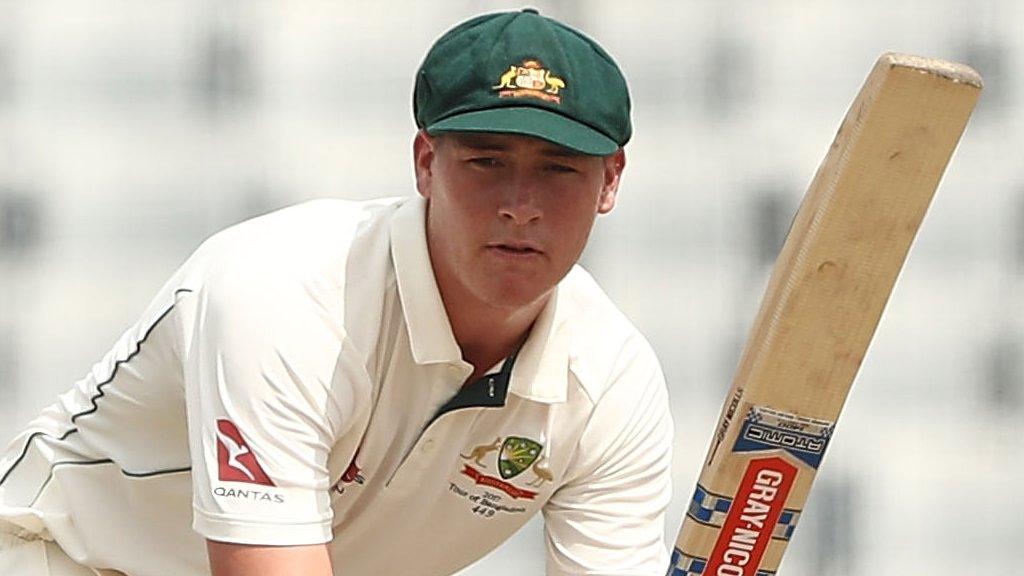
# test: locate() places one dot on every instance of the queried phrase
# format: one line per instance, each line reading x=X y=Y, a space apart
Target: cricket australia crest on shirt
x=530 y=79
x=516 y=455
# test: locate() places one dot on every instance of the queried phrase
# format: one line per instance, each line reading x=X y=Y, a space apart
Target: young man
x=388 y=387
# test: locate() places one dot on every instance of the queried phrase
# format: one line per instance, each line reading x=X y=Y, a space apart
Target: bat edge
x=955 y=71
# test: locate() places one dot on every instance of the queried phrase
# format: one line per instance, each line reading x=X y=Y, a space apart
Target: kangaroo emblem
x=482 y=450
x=234 y=451
x=542 y=472
x=506 y=79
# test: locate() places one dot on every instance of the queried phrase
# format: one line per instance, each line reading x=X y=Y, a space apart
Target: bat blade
x=827 y=291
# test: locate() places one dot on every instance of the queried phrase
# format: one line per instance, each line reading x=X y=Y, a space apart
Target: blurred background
x=132 y=130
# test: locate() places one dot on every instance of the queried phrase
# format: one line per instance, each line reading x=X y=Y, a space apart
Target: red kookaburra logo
x=236 y=462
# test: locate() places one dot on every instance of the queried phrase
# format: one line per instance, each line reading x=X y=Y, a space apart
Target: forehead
x=511 y=143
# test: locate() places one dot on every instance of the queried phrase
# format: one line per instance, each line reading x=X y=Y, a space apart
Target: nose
x=520 y=201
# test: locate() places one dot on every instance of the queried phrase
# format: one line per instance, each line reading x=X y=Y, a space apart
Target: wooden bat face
x=825 y=297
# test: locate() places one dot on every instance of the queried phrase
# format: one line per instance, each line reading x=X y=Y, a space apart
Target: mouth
x=515 y=249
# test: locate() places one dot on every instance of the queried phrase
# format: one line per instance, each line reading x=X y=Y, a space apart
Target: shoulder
x=293 y=266
x=606 y=349
x=304 y=233
x=308 y=242
x=618 y=390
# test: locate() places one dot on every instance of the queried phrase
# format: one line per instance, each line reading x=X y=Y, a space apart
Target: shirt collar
x=541 y=368
x=430 y=332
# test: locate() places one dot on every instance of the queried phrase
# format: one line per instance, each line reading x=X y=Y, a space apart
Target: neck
x=487 y=334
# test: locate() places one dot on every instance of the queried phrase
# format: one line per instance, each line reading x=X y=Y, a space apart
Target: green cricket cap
x=523 y=73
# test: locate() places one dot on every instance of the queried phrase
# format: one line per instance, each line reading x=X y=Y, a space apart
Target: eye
x=484 y=161
x=561 y=168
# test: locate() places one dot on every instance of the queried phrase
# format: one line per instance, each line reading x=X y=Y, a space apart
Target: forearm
x=244 y=560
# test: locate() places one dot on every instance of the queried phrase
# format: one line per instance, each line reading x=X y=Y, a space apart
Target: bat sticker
x=711 y=509
x=723 y=428
x=683 y=564
x=767 y=429
x=752 y=518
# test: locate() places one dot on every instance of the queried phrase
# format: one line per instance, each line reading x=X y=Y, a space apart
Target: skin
x=243 y=560
x=507 y=217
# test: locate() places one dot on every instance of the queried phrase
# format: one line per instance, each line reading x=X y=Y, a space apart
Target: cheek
x=573 y=222
x=576 y=205
x=465 y=211
x=459 y=212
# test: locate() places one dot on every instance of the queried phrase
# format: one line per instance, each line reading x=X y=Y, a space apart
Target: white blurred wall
x=129 y=131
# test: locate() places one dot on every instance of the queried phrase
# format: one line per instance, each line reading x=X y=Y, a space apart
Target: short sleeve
x=609 y=517
x=271 y=385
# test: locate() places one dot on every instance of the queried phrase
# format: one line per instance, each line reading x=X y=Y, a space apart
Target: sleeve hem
x=264 y=533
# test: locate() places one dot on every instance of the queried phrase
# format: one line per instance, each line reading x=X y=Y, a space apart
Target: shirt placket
x=488 y=392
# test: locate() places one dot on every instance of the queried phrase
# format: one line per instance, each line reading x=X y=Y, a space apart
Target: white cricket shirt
x=297 y=382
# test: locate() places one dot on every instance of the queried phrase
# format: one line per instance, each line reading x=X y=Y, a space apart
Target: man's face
x=509 y=215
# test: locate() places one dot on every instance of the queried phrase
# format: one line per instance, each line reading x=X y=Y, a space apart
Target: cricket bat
x=825 y=296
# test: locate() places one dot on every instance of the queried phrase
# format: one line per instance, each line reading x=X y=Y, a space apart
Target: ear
x=424 y=147
x=613 y=167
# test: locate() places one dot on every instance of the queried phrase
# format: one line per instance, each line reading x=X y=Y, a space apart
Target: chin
x=513 y=295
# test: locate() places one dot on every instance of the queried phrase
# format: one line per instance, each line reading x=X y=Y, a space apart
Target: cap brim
x=529 y=121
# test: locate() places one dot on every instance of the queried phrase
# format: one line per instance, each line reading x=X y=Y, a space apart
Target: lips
x=516 y=248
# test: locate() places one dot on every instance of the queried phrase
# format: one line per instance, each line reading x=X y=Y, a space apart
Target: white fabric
x=317 y=333
x=37 y=557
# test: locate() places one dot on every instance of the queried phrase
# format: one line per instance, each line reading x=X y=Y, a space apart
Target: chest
x=467 y=463
x=429 y=433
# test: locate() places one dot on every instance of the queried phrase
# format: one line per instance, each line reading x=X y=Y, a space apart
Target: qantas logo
x=235 y=461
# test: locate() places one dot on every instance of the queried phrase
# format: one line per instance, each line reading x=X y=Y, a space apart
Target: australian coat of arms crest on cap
x=530 y=79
